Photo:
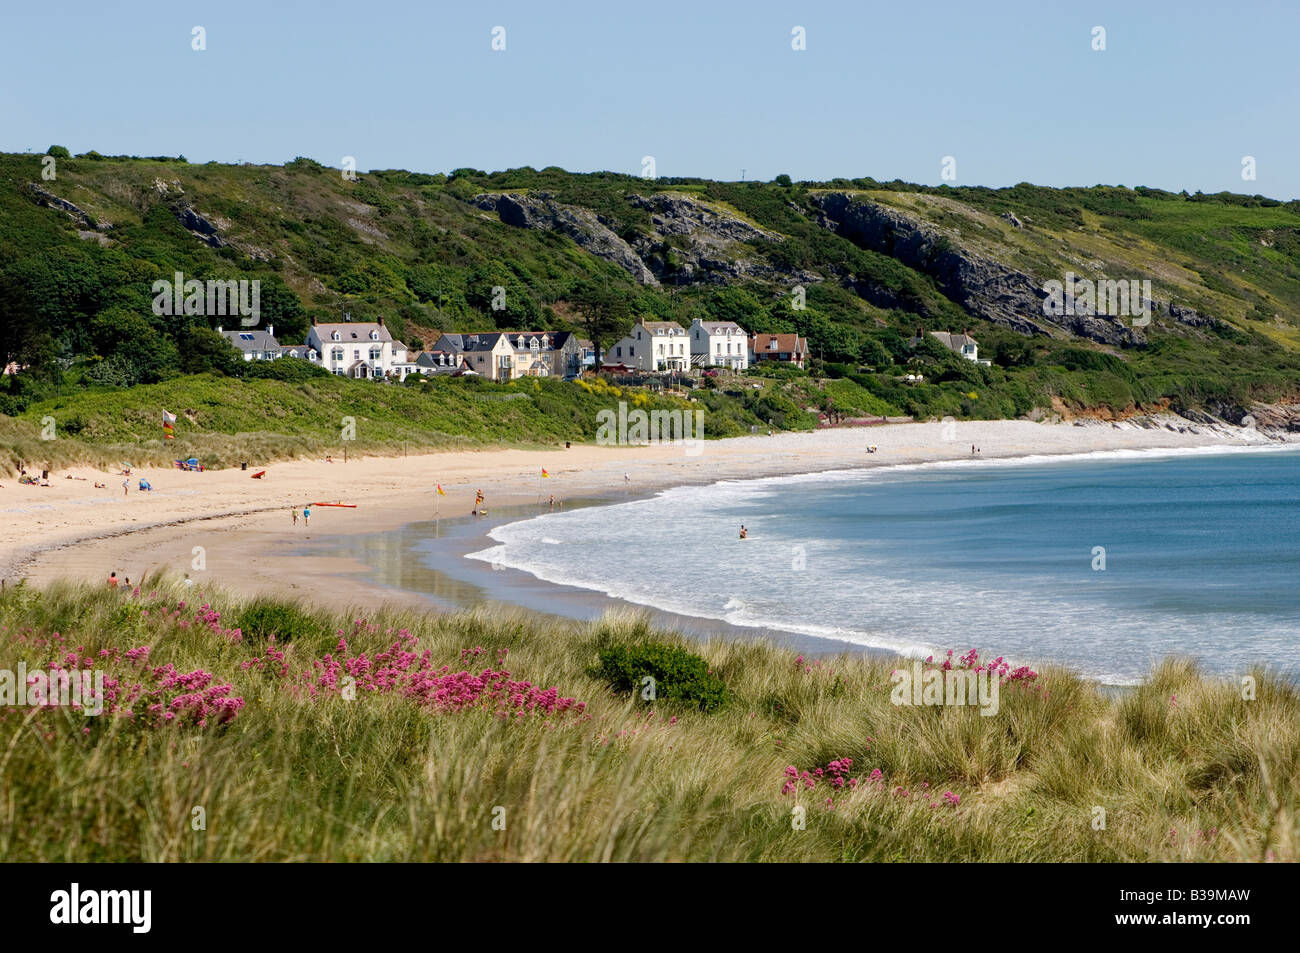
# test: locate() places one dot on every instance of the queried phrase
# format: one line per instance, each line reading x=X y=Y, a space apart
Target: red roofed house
x=786 y=348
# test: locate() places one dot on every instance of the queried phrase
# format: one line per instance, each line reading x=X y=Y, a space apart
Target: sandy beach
x=240 y=530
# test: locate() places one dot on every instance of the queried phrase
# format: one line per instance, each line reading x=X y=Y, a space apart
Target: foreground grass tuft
x=396 y=736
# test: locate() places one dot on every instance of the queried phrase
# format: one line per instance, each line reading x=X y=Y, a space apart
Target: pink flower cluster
x=997 y=667
x=400 y=670
x=837 y=775
x=170 y=695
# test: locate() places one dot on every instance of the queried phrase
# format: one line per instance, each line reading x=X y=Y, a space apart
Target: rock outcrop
x=587 y=229
x=198 y=226
x=689 y=242
x=82 y=217
x=985 y=288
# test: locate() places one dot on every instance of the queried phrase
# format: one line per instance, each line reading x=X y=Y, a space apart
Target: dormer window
x=336 y=336
x=374 y=335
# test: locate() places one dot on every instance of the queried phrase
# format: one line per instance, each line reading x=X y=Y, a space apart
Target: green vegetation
x=76 y=290
x=656 y=670
x=332 y=767
x=225 y=421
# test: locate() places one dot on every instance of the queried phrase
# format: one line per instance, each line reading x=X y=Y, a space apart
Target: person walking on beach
x=295 y=516
x=126 y=486
x=306 y=516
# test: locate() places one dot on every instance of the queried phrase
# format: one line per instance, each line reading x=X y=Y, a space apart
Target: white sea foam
x=676 y=552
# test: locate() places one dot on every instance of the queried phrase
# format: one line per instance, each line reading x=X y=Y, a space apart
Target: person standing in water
x=744 y=533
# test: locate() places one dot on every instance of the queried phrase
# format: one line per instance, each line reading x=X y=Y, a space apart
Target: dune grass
x=317 y=769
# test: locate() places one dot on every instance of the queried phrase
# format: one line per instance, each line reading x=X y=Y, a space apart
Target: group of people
x=306 y=516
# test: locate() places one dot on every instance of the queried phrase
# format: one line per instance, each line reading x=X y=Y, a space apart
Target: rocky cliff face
x=585 y=227
x=689 y=242
x=986 y=288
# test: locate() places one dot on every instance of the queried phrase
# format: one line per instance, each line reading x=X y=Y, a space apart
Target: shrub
x=678 y=675
x=261 y=620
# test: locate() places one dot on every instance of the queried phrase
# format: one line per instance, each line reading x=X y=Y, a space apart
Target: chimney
x=218 y=329
x=270 y=329
x=381 y=322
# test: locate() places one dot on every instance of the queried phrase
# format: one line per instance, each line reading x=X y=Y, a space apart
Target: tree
x=604 y=313
x=203 y=350
x=783 y=180
x=59 y=152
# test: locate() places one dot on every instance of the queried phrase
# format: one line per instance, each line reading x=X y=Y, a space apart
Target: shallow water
x=1201 y=556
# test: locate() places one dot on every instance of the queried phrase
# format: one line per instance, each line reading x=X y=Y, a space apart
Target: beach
x=223 y=527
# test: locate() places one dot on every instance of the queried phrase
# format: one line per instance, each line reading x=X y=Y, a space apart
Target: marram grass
x=1184 y=768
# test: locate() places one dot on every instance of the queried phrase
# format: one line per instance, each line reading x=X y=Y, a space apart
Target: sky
x=1183 y=91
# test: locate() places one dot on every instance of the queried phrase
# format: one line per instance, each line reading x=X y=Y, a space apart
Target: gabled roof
x=251 y=339
x=349 y=331
x=954 y=342
x=479 y=342
x=665 y=327
x=715 y=327
x=785 y=343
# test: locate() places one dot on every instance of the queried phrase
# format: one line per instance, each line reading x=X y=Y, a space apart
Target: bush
x=260 y=620
x=678 y=675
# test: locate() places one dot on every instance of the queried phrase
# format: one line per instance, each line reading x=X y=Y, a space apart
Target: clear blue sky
x=1183 y=91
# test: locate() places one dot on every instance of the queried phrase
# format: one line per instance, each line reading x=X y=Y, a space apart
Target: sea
x=1106 y=562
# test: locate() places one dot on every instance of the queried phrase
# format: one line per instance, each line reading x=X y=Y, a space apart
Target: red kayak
x=351 y=506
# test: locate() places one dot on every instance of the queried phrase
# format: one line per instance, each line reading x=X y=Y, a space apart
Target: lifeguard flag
x=544 y=473
x=441 y=491
x=168 y=421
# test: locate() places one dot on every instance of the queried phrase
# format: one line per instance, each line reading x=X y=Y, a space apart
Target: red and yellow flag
x=544 y=473
x=441 y=491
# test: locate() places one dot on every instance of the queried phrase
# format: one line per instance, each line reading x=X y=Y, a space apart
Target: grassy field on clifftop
x=261 y=732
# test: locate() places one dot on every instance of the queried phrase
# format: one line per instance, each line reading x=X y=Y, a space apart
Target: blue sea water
x=1201 y=557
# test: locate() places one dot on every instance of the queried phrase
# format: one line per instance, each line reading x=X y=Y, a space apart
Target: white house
x=254 y=344
x=652 y=346
x=962 y=343
x=719 y=344
x=362 y=349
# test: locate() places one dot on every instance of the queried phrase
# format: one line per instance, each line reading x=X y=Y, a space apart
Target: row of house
x=667 y=346
x=367 y=350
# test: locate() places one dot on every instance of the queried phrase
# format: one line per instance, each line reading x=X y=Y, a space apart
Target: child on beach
x=306 y=516
x=112 y=580
x=295 y=516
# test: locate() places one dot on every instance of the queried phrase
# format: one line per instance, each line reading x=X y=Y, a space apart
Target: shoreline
x=222 y=528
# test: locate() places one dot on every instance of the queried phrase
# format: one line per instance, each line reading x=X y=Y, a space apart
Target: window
x=336 y=336
x=375 y=353
x=336 y=354
x=245 y=337
x=374 y=335
x=618 y=352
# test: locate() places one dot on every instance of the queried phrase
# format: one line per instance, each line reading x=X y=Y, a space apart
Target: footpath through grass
x=261 y=731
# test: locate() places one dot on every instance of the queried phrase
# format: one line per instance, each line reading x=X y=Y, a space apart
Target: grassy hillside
x=79 y=253
x=224 y=421
x=237 y=731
